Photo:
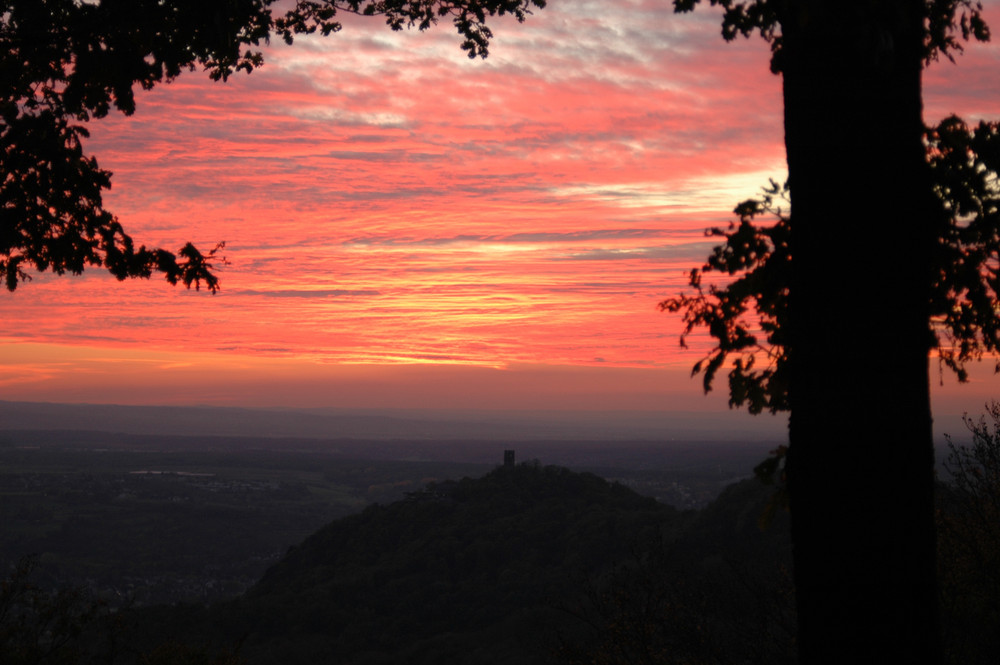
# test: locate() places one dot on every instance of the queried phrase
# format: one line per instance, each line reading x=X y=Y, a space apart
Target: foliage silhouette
x=66 y=62
x=969 y=543
x=37 y=628
x=964 y=317
x=761 y=253
x=946 y=24
x=719 y=593
x=69 y=626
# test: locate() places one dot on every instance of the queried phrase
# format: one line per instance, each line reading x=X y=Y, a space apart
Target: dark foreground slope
x=719 y=592
x=472 y=571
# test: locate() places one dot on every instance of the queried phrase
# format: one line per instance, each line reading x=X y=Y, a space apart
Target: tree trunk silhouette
x=860 y=463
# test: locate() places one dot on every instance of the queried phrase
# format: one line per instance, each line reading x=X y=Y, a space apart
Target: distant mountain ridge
x=388 y=424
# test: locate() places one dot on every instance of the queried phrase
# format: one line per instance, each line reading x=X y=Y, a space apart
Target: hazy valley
x=227 y=548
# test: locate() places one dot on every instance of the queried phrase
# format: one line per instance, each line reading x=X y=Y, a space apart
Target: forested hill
x=469 y=571
x=511 y=568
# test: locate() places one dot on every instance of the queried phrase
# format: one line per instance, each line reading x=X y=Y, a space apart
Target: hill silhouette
x=500 y=569
x=468 y=571
x=465 y=571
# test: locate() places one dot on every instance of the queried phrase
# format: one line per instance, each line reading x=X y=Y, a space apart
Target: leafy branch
x=748 y=317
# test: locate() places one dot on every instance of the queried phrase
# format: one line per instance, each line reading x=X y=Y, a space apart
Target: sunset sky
x=406 y=227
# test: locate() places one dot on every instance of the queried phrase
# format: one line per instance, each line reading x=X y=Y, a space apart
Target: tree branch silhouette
x=64 y=63
x=748 y=316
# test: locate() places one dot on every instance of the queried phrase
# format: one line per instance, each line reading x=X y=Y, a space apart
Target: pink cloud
x=386 y=200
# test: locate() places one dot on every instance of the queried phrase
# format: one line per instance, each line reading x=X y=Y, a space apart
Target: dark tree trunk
x=860 y=464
